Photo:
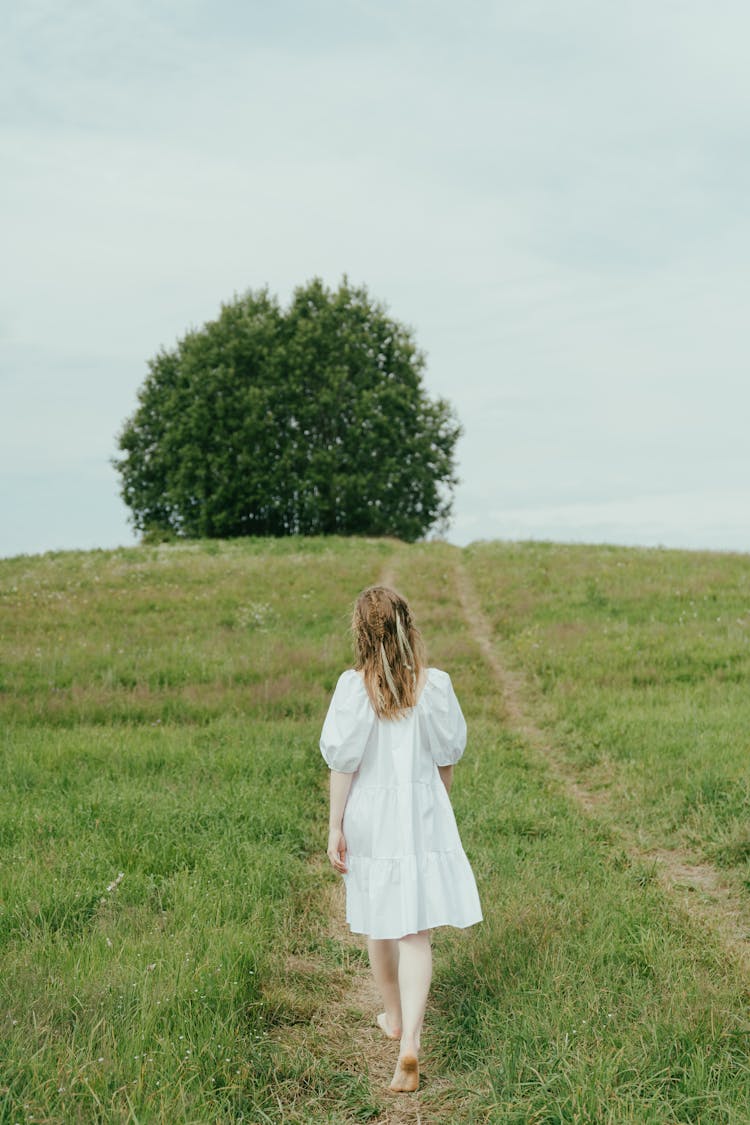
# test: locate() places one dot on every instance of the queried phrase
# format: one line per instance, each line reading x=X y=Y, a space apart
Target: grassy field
x=166 y=950
x=642 y=659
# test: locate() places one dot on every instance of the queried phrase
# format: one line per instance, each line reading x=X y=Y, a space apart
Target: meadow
x=167 y=947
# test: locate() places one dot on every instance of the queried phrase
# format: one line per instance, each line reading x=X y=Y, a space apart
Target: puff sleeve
x=444 y=723
x=348 y=724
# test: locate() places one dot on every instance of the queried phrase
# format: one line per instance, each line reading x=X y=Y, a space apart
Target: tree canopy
x=307 y=420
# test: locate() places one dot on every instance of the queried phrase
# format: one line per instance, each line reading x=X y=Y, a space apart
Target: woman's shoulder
x=436 y=677
x=350 y=675
x=437 y=686
x=348 y=682
x=350 y=686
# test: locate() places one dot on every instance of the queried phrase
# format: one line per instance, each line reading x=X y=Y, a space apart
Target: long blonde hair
x=389 y=650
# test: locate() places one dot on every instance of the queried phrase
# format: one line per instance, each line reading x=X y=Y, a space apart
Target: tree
x=310 y=420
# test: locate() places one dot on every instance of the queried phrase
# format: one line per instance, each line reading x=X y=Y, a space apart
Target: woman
x=393 y=732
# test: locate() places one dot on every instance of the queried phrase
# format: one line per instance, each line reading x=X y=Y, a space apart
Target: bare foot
x=384 y=1027
x=406 y=1077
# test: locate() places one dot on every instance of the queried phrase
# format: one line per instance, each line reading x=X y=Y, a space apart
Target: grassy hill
x=167 y=952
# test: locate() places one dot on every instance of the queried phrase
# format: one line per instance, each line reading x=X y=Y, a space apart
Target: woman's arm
x=341 y=783
x=446 y=776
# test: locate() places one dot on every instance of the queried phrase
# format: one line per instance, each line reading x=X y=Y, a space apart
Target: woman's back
x=398 y=822
x=386 y=752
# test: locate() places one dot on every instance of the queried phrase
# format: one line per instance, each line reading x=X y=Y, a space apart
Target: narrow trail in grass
x=703 y=892
x=352 y=1016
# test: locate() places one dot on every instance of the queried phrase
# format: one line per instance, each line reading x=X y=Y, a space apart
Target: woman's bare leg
x=384 y=964
x=414 y=978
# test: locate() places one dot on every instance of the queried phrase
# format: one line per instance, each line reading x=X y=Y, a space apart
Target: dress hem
x=407 y=933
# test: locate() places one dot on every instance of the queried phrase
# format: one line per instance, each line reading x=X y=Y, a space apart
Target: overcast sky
x=554 y=196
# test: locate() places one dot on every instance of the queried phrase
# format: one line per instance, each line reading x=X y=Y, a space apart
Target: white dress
x=407 y=870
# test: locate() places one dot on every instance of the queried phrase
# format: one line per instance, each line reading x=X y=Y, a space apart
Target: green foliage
x=307 y=421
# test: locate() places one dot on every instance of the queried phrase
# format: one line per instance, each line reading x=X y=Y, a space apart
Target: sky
x=552 y=196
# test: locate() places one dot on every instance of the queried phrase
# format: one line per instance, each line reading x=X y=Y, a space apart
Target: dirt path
x=345 y=1026
x=353 y=1015
x=704 y=893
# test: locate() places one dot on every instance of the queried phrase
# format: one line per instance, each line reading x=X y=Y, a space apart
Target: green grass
x=161 y=709
x=160 y=714
x=640 y=660
x=582 y=997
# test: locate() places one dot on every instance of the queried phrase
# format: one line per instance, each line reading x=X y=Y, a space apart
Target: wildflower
x=116 y=882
